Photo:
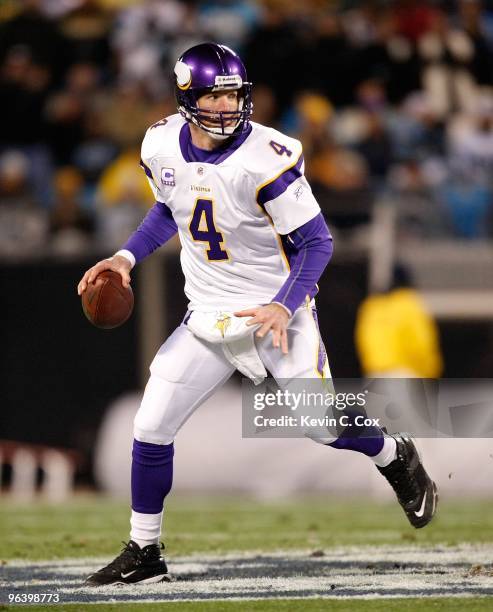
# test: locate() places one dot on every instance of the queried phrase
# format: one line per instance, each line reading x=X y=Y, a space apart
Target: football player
x=253 y=246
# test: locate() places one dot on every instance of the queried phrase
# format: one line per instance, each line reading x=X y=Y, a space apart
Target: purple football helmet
x=210 y=67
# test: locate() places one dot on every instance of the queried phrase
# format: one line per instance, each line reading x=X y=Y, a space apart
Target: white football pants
x=186 y=371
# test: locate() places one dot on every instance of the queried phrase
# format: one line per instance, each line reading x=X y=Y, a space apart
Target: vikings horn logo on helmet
x=183 y=75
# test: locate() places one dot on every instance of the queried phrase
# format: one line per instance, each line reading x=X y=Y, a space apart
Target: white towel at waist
x=235 y=337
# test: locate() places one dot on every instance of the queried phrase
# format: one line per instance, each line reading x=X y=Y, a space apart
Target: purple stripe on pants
x=322 y=353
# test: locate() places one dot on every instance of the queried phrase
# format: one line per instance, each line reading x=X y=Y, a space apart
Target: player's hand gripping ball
x=106 y=302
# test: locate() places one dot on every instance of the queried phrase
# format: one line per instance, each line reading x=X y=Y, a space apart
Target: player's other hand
x=117 y=263
x=271 y=317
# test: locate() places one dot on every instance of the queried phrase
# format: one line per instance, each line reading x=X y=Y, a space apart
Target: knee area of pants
x=153 y=437
x=149 y=430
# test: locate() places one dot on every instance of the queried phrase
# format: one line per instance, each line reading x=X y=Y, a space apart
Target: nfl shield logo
x=168 y=176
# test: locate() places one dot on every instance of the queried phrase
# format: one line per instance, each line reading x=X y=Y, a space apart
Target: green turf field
x=315 y=605
x=89 y=526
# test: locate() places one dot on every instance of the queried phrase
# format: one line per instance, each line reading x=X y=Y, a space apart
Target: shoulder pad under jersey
x=162 y=138
x=269 y=153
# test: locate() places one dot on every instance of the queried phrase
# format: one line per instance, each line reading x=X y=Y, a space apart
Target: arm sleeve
x=157 y=227
x=314 y=250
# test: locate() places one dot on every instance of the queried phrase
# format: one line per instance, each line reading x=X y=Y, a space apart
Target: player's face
x=224 y=101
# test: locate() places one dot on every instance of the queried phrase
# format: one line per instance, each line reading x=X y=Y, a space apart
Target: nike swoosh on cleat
x=419 y=513
x=127 y=575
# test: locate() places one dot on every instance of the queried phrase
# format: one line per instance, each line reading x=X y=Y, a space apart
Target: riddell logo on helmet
x=231 y=81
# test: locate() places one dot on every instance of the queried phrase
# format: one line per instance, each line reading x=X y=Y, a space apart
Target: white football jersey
x=231 y=214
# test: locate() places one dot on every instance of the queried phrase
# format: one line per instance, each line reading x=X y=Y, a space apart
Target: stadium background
x=393 y=103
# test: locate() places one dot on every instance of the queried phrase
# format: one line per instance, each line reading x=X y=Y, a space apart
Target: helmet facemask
x=219 y=124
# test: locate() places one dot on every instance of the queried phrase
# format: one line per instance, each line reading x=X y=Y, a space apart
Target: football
x=106 y=302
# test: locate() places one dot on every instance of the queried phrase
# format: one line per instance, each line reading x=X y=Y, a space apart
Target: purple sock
x=366 y=439
x=152 y=476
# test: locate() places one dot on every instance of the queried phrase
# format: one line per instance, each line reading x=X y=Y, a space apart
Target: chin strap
x=210 y=131
x=216 y=136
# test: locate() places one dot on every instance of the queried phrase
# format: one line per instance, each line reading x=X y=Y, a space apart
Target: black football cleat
x=416 y=492
x=133 y=565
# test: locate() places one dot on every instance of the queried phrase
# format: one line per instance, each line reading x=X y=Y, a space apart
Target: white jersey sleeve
x=159 y=141
x=281 y=187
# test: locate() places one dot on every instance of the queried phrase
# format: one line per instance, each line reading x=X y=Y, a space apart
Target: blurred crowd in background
x=391 y=100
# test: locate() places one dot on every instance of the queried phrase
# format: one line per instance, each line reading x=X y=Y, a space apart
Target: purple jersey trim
x=157 y=227
x=191 y=153
x=309 y=249
x=275 y=188
x=147 y=170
